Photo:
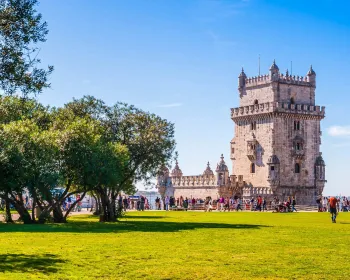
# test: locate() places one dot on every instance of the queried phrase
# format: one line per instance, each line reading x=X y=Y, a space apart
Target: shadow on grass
x=83 y=226
x=29 y=263
x=143 y=217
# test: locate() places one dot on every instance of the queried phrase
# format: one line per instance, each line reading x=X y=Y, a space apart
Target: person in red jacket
x=333 y=208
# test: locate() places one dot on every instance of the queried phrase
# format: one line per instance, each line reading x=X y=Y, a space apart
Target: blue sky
x=181 y=58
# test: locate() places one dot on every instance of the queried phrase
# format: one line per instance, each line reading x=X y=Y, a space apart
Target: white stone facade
x=276 y=146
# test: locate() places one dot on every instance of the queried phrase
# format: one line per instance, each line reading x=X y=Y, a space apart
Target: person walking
x=333 y=208
x=238 y=205
x=167 y=201
x=185 y=204
x=157 y=203
x=293 y=204
x=125 y=203
x=258 y=204
x=252 y=204
x=264 y=207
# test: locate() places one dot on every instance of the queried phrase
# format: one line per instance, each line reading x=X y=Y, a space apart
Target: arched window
x=292 y=100
x=253 y=126
x=296 y=125
x=297 y=168
x=256 y=102
x=252 y=168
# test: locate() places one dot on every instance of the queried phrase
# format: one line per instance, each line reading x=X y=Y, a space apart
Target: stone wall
x=196 y=192
x=241 y=163
x=262 y=94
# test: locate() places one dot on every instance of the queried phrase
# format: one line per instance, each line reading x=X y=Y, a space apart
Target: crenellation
x=278 y=107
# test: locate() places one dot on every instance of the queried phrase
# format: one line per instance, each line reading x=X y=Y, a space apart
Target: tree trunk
x=8 y=217
x=97 y=204
x=33 y=209
x=111 y=210
x=58 y=215
x=73 y=205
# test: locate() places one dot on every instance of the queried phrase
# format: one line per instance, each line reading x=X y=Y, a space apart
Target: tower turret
x=311 y=77
x=222 y=172
x=274 y=71
x=241 y=79
x=176 y=172
x=241 y=82
x=208 y=171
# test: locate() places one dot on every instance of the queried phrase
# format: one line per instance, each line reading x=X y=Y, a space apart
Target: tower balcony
x=251 y=154
x=298 y=154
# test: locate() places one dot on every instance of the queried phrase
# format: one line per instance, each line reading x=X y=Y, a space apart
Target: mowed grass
x=180 y=245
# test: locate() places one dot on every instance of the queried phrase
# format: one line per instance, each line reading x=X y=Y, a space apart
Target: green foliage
x=21 y=29
x=85 y=146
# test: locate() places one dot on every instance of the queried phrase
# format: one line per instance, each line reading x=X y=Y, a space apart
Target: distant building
x=276 y=147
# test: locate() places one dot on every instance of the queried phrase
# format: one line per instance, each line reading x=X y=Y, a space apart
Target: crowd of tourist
x=141 y=203
x=343 y=204
x=223 y=204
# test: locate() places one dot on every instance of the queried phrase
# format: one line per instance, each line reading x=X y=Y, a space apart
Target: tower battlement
x=286 y=79
x=274 y=76
x=278 y=107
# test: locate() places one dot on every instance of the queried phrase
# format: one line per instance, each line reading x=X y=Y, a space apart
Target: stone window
x=232 y=150
x=298 y=146
x=296 y=125
x=253 y=126
x=252 y=168
x=292 y=100
x=297 y=168
x=272 y=168
x=256 y=102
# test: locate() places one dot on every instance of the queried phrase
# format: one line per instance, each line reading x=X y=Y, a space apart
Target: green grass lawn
x=180 y=245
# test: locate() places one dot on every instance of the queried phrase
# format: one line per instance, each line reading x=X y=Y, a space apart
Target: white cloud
x=170 y=105
x=338 y=131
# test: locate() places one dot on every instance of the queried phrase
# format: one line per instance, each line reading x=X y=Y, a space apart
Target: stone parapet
x=277 y=107
x=200 y=180
x=280 y=78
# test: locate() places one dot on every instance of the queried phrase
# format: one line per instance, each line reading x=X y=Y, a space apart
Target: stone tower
x=277 y=136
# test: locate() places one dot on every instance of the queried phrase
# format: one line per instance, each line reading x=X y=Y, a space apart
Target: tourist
x=264 y=205
x=324 y=204
x=206 y=204
x=258 y=203
x=293 y=204
x=142 y=204
x=125 y=203
x=238 y=204
x=227 y=204
x=221 y=204
x=138 y=203
x=193 y=203
x=333 y=208
x=129 y=203
x=252 y=204
x=318 y=201
x=167 y=201
x=185 y=204
x=210 y=204
x=157 y=203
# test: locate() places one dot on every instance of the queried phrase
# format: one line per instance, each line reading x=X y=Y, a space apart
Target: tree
x=27 y=165
x=148 y=138
x=21 y=29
